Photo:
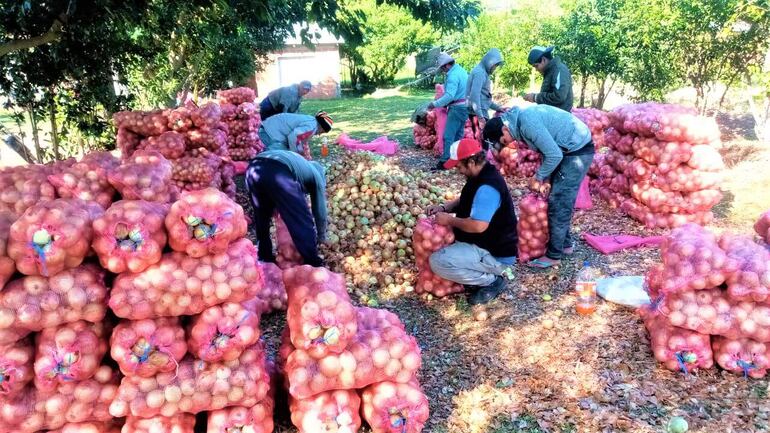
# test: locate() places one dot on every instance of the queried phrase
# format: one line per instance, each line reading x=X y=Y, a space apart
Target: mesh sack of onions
x=596 y=120
x=390 y=407
x=150 y=181
x=687 y=179
x=51 y=236
x=743 y=356
x=373 y=356
x=7 y=265
x=328 y=411
x=244 y=123
x=23 y=187
x=194 y=169
x=320 y=316
x=429 y=237
x=424 y=136
x=206 y=116
x=89 y=427
x=87 y=179
x=375 y=318
x=183 y=285
x=508 y=159
x=15 y=367
x=69 y=352
x=196 y=386
x=751 y=280
x=652 y=220
x=177 y=423
x=236 y=96
x=222 y=332
x=204 y=222
x=762 y=227
x=147 y=347
x=666 y=122
x=532 y=227
x=272 y=297
x=146 y=123
x=73 y=402
x=287 y=255
x=693 y=260
x=128 y=142
x=665 y=154
x=180 y=119
x=243 y=154
x=211 y=139
x=170 y=144
x=254 y=419
x=677 y=348
x=130 y=236
x=33 y=303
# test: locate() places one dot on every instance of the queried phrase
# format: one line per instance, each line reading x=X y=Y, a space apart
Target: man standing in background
x=479 y=92
x=455 y=86
x=284 y=99
x=557 y=79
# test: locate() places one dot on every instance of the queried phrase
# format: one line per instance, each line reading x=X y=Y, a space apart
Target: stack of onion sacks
x=762 y=227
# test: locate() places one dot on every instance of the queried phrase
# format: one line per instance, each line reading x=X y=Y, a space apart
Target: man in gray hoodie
x=567 y=149
x=479 y=92
x=284 y=99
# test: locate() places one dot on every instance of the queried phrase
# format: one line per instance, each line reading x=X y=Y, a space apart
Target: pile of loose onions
x=73 y=402
x=204 y=222
x=130 y=236
x=678 y=348
x=196 y=386
x=331 y=411
x=147 y=347
x=177 y=423
x=182 y=285
x=255 y=419
x=33 y=303
x=15 y=366
x=87 y=179
x=742 y=356
x=287 y=255
x=320 y=316
x=51 y=236
x=390 y=407
x=170 y=144
x=147 y=176
x=693 y=260
x=762 y=227
x=236 y=96
x=68 y=352
x=751 y=280
x=429 y=237
x=532 y=227
x=272 y=297
x=222 y=332
x=7 y=265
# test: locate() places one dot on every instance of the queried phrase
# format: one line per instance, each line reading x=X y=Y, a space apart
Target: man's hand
x=539 y=187
x=434 y=209
x=443 y=218
x=530 y=97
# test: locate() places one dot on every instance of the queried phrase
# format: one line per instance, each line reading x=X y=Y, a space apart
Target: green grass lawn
x=365 y=118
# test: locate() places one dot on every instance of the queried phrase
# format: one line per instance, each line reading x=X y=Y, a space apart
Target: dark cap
x=537 y=53
x=493 y=130
x=324 y=120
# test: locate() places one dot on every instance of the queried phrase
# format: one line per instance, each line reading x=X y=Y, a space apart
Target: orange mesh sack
x=147 y=347
x=328 y=411
x=204 y=222
x=130 y=236
x=390 y=407
x=222 y=332
x=181 y=285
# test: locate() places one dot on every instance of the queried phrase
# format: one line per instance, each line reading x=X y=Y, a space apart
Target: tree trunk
x=583 y=84
x=35 y=136
x=54 y=131
x=603 y=92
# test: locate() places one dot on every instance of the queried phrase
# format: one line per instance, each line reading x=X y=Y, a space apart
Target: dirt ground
x=535 y=366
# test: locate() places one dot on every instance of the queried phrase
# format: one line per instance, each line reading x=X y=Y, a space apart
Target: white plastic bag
x=626 y=290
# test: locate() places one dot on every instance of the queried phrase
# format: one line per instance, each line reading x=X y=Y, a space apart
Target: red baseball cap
x=462 y=149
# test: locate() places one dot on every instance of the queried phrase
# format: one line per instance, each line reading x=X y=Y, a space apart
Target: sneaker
x=488 y=293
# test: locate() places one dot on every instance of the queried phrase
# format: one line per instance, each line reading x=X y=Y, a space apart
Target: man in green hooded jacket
x=556 y=89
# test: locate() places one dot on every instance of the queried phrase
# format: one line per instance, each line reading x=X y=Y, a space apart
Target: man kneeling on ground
x=484 y=224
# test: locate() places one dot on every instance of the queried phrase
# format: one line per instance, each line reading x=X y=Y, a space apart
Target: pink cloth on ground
x=381 y=145
x=609 y=244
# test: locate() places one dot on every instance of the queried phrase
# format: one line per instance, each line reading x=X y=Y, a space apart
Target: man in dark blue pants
x=278 y=180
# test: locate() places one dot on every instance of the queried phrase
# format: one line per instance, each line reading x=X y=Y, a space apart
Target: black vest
x=500 y=238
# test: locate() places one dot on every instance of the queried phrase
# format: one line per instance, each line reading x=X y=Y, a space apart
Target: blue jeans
x=467 y=264
x=565 y=183
x=456 y=117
